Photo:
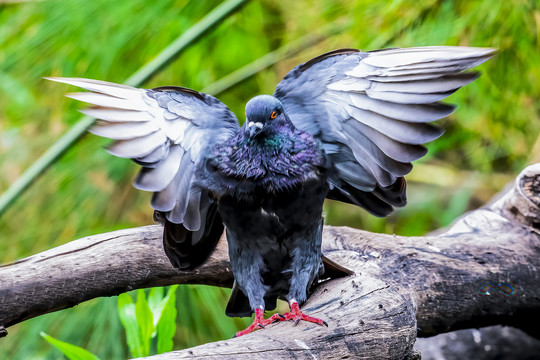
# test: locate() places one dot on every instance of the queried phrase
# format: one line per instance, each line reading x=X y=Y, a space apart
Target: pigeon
x=345 y=125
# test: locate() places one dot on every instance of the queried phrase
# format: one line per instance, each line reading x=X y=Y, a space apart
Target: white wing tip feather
x=402 y=56
x=101 y=87
x=477 y=51
x=110 y=101
x=77 y=80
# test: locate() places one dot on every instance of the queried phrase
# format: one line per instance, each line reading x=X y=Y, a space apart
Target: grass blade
x=156 y=305
x=145 y=321
x=166 y=327
x=72 y=352
x=128 y=317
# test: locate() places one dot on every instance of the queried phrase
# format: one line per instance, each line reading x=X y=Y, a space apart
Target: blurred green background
x=488 y=140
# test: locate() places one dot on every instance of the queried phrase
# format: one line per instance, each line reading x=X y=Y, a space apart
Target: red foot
x=296 y=315
x=259 y=322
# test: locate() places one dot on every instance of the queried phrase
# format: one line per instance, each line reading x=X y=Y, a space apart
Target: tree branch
x=403 y=285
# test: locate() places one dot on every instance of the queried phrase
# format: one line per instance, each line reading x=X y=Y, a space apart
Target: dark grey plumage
x=345 y=125
x=269 y=185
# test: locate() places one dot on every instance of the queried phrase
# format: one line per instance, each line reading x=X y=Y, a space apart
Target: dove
x=345 y=125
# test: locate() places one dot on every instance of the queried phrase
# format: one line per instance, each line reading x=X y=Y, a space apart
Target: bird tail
x=333 y=270
x=238 y=305
x=188 y=249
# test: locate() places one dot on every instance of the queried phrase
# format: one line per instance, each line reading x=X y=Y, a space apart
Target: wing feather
x=123 y=130
x=138 y=147
x=360 y=140
x=438 y=85
x=396 y=150
x=104 y=87
x=158 y=177
x=410 y=113
x=166 y=199
x=372 y=112
x=112 y=115
x=187 y=170
x=408 y=98
x=167 y=130
x=104 y=100
x=154 y=158
x=356 y=175
x=406 y=132
x=445 y=55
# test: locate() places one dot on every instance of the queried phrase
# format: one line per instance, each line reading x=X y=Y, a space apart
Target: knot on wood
x=528 y=184
x=531 y=188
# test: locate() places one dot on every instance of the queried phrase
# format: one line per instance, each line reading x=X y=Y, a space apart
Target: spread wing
x=372 y=113
x=167 y=131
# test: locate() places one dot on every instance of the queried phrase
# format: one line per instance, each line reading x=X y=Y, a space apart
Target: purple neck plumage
x=278 y=158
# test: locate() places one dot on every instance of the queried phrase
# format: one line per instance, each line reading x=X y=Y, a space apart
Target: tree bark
x=484 y=270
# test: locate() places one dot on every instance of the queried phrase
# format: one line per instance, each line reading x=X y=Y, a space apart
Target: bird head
x=262 y=113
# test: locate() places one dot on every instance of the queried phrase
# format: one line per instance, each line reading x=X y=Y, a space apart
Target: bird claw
x=277 y=317
x=258 y=323
x=296 y=315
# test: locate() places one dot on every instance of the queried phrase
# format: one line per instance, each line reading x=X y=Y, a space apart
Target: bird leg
x=259 y=322
x=296 y=315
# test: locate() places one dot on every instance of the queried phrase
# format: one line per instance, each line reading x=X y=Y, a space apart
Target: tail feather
x=188 y=249
x=333 y=270
x=238 y=305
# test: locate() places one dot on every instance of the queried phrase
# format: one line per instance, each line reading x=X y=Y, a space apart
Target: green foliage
x=136 y=339
x=72 y=352
x=166 y=324
x=146 y=319
x=92 y=325
x=149 y=319
x=490 y=137
x=156 y=305
x=206 y=316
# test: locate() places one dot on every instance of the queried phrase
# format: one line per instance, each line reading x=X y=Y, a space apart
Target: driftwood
x=484 y=270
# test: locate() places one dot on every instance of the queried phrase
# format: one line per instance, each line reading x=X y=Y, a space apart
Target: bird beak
x=254 y=128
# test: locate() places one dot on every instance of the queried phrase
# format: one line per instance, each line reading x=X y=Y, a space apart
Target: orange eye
x=273 y=115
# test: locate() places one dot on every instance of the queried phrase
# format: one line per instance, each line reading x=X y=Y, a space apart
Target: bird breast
x=239 y=167
x=274 y=216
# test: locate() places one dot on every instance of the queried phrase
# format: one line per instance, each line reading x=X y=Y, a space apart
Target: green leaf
x=145 y=321
x=166 y=326
x=156 y=305
x=128 y=317
x=72 y=352
x=154 y=297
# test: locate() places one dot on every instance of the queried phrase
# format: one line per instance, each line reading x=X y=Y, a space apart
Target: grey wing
x=372 y=113
x=167 y=131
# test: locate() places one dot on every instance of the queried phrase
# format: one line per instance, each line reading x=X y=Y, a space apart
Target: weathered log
x=493 y=342
x=482 y=271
